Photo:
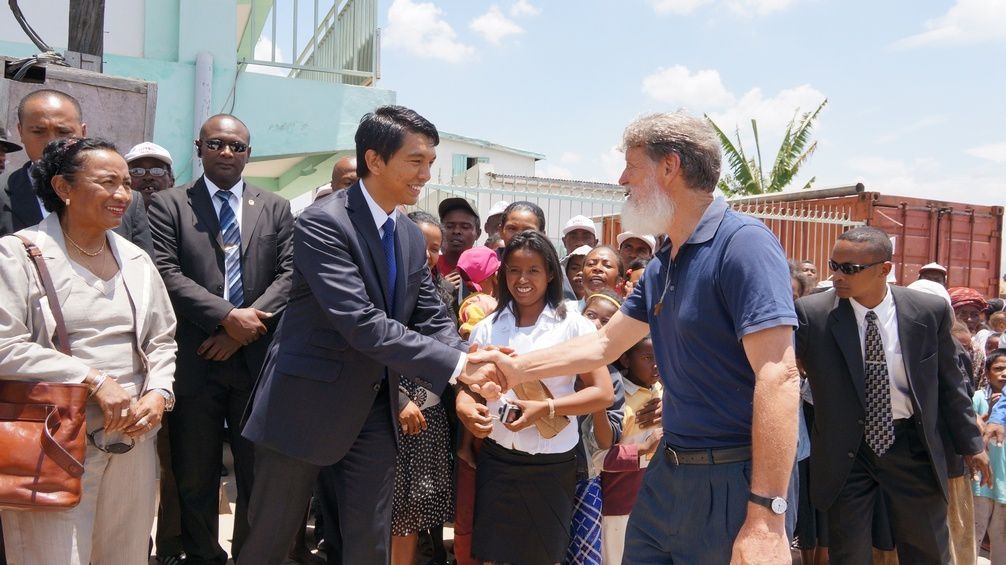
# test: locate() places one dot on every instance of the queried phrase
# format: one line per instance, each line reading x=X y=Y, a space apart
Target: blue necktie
x=232 y=249
x=388 y=242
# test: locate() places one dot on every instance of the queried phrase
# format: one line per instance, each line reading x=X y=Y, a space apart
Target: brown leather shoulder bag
x=42 y=429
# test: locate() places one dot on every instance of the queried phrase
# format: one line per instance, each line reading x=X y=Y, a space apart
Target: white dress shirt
x=547 y=331
x=887 y=324
x=234 y=200
x=380 y=216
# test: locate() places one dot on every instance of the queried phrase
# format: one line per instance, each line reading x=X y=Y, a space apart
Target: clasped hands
x=240 y=327
x=490 y=371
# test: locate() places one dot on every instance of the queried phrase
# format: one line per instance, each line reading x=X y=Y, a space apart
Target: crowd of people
x=690 y=396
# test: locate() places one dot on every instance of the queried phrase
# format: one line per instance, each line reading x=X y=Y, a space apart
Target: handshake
x=490 y=371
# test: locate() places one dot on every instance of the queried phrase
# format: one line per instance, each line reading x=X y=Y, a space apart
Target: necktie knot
x=223 y=195
x=871 y=316
x=389 y=228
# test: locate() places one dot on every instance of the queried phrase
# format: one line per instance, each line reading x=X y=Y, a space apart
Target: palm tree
x=746 y=178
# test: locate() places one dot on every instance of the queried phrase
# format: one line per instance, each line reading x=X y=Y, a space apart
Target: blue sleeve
x=998 y=413
x=754 y=281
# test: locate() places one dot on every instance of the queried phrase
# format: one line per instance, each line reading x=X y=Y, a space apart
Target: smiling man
x=362 y=314
x=719 y=284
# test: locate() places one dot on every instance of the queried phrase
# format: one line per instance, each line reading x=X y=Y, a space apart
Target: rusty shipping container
x=964 y=238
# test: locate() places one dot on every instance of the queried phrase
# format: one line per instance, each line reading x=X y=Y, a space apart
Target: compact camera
x=510 y=413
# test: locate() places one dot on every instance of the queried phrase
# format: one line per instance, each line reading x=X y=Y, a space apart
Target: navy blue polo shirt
x=728 y=280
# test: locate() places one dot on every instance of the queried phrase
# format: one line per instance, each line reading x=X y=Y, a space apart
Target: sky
x=915 y=88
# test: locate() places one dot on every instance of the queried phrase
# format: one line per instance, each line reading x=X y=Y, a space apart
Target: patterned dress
x=424 y=474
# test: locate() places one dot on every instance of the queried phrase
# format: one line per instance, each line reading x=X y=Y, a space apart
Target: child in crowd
x=603 y=268
x=990 y=503
x=526 y=473
x=633 y=274
x=433 y=232
x=997 y=321
x=521 y=216
x=599 y=431
x=574 y=270
x=623 y=466
x=424 y=486
x=478 y=267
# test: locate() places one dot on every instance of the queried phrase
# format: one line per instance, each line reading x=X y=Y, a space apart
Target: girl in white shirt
x=525 y=480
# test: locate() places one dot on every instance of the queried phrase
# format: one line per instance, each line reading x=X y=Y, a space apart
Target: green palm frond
x=741 y=177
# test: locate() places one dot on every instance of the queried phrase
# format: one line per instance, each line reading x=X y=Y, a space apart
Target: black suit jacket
x=830 y=350
x=337 y=340
x=188 y=251
x=19 y=209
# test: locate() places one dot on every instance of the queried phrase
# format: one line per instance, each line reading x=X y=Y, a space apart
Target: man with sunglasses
x=890 y=401
x=150 y=169
x=224 y=248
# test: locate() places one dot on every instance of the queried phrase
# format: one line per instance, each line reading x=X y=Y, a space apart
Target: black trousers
x=915 y=504
x=361 y=485
x=197 y=439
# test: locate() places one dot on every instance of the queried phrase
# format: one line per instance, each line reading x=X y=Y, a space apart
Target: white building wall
x=503 y=162
x=124 y=24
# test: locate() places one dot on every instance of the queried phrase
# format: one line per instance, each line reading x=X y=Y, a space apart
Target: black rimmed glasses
x=100 y=441
x=217 y=145
x=154 y=171
x=851 y=268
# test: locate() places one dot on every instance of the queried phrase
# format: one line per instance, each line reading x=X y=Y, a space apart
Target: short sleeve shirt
x=730 y=279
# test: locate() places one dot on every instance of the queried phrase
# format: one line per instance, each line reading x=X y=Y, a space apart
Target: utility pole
x=87 y=34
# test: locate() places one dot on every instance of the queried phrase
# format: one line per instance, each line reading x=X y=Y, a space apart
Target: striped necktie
x=231 y=234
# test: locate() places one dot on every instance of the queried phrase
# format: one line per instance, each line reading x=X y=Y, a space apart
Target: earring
x=68 y=202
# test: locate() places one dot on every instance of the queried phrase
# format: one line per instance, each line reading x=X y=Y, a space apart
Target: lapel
x=52 y=245
x=363 y=220
x=910 y=332
x=136 y=279
x=402 y=258
x=199 y=200
x=251 y=209
x=842 y=322
x=23 y=204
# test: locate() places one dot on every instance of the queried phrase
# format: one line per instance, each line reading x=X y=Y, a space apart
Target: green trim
x=307 y=166
x=267 y=183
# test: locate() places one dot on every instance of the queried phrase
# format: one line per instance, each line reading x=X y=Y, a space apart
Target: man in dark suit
x=224 y=249
x=42 y=116
x=363 y=311
x=883 y=370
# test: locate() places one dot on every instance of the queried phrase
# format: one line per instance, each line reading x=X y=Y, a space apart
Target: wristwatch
x=776 y=504
x=169 y=398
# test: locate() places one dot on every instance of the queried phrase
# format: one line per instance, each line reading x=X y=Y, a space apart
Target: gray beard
x=650 y=214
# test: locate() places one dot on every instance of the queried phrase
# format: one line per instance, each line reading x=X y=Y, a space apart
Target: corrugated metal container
x=965 y=238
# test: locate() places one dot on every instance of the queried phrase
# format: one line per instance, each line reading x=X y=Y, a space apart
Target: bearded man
x=717 y=300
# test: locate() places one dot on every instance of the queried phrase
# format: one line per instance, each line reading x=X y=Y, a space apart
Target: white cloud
x=925 y=177
x=772 y=112
x=553 y=171
x=679 y=87
x=995 y=152
x=612 y=164
x=677 y=7
x=967 y=21
x=524 y=8
x=494 y=26
x=263 y=52
x=419 y=28
x=759 y=7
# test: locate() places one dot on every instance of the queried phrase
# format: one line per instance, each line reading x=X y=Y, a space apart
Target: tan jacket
x=27 y=326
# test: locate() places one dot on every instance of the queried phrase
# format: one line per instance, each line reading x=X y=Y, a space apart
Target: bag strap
x=62 y=340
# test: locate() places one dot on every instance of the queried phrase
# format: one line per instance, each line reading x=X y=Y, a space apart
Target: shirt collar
x=710 y=222
x=882 y=309
x=380 y=216
x=548 y=314
x=236 y=190
x=630 y=387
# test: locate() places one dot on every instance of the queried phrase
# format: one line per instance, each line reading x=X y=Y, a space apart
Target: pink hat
x=478 y=264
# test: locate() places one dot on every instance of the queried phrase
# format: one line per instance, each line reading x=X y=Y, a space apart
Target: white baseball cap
x=579 y=223
x=497 y=208
x=649 y=239
x=582 y=250
x=933 y=267
x=148 y=149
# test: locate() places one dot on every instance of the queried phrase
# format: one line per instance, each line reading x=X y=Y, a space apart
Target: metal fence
x=329 y=40
x=559 y=199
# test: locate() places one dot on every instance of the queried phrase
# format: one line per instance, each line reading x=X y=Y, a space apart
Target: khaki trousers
x=110 y=526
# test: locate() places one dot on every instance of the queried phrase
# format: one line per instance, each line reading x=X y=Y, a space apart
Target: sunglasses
x=98 y=440
x=217 y=145
x=851 y=268
x=154 y=171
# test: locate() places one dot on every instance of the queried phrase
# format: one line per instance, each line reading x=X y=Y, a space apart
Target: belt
x=678 y=456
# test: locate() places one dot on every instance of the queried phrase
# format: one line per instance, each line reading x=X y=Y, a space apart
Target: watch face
x=779 y=505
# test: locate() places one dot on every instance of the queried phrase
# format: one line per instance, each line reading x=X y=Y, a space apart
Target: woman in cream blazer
x=121 y=332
